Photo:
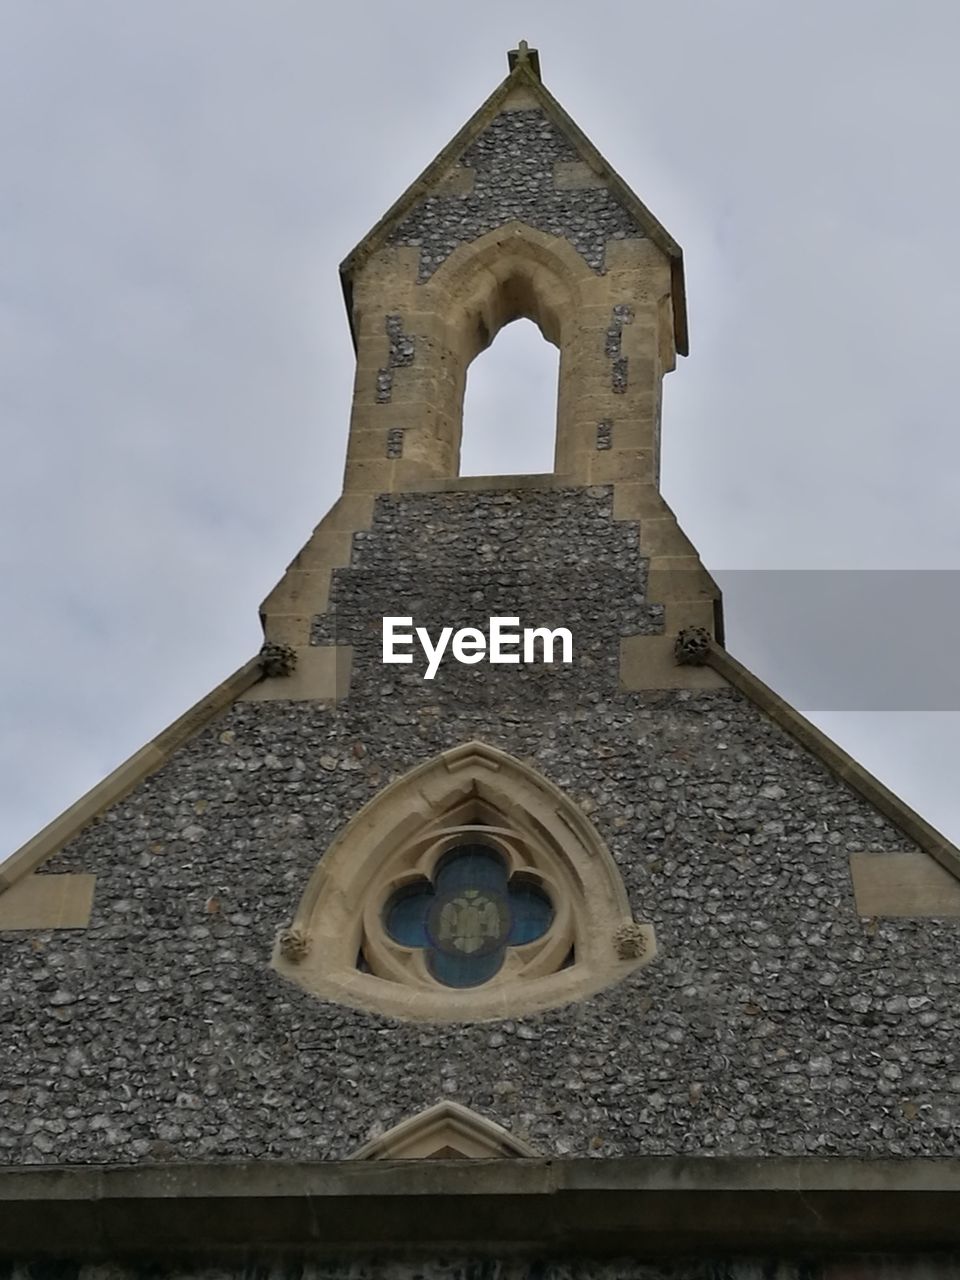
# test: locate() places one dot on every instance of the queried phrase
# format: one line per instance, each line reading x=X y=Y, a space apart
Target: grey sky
x=181 y=180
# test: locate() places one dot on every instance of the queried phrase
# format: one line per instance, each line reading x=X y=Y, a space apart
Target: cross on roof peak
x=524 y=54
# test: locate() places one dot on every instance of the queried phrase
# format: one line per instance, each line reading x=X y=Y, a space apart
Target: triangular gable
x=524 y=74
x=694 y=646
x=445 y=1131
x=272 y=660
x=57 y=910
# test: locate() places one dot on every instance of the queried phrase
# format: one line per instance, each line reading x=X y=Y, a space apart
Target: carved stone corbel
x=294 y=945
x=278 y=659
x=691 y=646
x=630 y=941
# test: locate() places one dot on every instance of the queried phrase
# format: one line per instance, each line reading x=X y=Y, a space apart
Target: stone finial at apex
x=523 y=53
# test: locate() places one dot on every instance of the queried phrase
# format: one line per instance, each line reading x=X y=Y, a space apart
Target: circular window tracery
x=470 y=888
x=468 y=915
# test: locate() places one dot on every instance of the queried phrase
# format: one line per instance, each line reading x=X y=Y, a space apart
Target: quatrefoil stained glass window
x=467 y=917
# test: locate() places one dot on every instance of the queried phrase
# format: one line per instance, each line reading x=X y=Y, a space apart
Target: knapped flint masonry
x=614 y=968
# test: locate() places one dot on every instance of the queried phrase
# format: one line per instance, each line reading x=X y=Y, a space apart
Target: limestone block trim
x=676 y=578
x=447 y=1130
x=458 y=182
x=647 y=662
x=482 y=285
x=400 y=836
x=304 y=589
x=322 y=674
x=126 y=776
x=906 y=885
x=575 y=175
x=470 y=484
x=47 y=902
x=835 y=758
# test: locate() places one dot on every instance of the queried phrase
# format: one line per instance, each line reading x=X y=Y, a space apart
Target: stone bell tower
x=519 y=216
x=571 y=950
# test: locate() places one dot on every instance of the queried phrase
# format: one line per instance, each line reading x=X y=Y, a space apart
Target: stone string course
x=513 y=160
x=772 y=1022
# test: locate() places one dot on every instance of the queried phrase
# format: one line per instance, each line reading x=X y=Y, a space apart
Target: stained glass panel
x=407 y=914
x=468 y=918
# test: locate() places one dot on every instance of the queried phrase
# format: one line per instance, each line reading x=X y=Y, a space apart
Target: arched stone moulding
x=472 y=792
x=512 y=272
x=448 y=1131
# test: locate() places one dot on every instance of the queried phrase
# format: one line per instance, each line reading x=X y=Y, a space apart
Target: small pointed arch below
x=445 y=1131
x=392 y=921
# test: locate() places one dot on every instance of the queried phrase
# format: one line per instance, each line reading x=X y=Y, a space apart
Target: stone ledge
x=48 y=902
x=576 y=175
x=647 y=662
x=646 y=1207
x=322 y=674
x=466 y=484
x=904 y=885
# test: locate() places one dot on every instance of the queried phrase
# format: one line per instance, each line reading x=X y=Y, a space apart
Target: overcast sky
x=181 y=179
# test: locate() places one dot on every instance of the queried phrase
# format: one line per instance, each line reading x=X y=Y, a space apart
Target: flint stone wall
x=514 y=164
x=773 y=1021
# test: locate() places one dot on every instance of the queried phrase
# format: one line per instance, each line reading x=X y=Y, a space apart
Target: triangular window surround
x=392 y=921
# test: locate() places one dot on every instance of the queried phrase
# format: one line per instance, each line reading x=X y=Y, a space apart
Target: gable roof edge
x=654 y=228
x=73 y=820
x=421 y=184
x=523 y=73
x=840 y=762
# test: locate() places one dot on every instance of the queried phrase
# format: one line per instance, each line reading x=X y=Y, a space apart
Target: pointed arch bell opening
x=469 y=889
x=514 y=274
x=509 y=421
x=610 y=330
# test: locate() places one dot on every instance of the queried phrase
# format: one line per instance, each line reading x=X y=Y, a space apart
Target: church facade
x=594 y=959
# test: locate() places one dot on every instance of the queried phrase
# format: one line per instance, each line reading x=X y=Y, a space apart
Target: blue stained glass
x=472 y=866
x=466 y=921
x=406 y=918
x=532 y=914
x=465 y=971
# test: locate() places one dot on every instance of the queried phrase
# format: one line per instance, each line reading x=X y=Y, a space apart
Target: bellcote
x=519 y=216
